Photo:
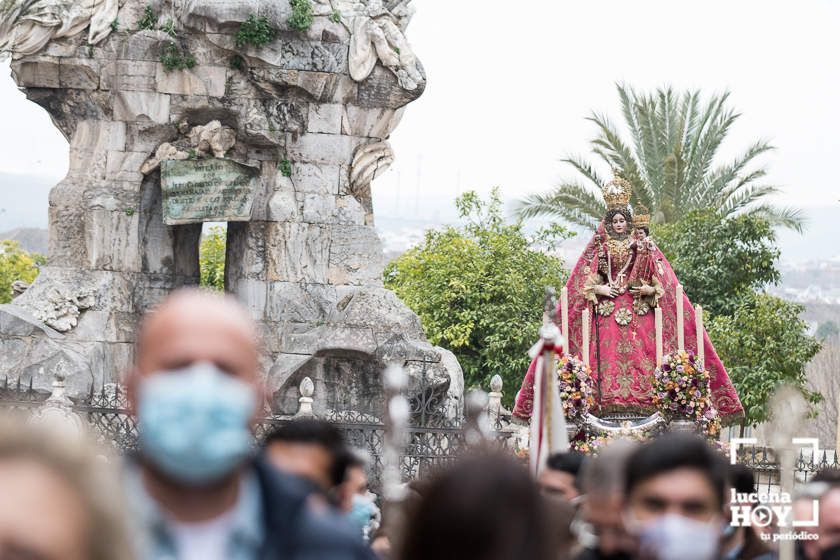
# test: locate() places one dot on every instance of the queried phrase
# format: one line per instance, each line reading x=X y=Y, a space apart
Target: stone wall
x=310 y=112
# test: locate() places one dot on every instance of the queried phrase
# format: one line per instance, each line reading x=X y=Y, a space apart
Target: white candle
x=680 y=320
x=564 y=313
x=701 y=344
x=585 y=350
x=658 y=315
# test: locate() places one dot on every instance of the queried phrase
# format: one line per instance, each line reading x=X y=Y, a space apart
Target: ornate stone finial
x=642 y=217
x=307 y=389
x=478 y=424
x=496 y=383
x=617 y=192
x=57 y=412
x=494 y=399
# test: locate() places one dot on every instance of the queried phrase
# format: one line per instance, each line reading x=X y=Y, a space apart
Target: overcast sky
x=510 y=85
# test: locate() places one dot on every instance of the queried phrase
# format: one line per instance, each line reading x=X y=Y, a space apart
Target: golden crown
x=642 y=217
x=618 y=191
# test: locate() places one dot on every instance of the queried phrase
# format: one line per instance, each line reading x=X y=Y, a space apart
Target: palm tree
x=670 y=162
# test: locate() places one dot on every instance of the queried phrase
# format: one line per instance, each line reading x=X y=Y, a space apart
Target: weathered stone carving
x=18 y=287
x=198 y=141
x=311 y=112
x=26 y=26
x=370 y=161
x=61 y=308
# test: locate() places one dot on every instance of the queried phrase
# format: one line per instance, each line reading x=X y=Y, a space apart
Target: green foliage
x=148 y=21
x=827 y=330
x=256 y=31
x=168 y=27
x=285 y=168
x=671 y=161
x=719 y=260
x=237 y=63
x=302 y=15
x=335 y=16
x=115 y=26
x=130 y=212
x=478 y=290
x=174 y=58
x=763 y=344
x=16 y=264
x=211 y=258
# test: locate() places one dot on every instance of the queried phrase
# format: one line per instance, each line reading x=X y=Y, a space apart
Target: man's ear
x=263 y=407
x=131 y=379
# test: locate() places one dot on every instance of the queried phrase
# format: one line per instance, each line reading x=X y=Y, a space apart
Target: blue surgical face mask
x=360 y=512
x=194 y=422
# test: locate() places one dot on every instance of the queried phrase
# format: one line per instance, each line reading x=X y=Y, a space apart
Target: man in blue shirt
x=196 y=489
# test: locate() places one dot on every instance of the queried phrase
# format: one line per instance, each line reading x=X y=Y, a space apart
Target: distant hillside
x=33 y=240
x=24 y=200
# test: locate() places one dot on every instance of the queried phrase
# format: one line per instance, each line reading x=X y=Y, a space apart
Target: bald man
x=196 y=489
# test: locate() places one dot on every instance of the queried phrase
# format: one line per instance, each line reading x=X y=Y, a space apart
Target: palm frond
x=570 y=201
x=586 y=169
x=785 y=216
x=745 y=197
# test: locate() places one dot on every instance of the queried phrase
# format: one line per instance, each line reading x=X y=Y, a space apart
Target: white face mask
x=674 y=537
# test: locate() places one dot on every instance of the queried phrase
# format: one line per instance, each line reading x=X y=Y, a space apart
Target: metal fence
x=435 y=437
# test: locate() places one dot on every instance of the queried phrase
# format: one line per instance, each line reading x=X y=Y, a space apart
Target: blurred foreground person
x=675 y=490
x=309 y=448
x=604 y=536
x=560 y=475
x=742 y=543
x=825 y=488
x=196 y=490
x=58 y=501
x=483 y=508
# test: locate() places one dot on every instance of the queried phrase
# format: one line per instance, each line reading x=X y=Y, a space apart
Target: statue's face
x=619 y=223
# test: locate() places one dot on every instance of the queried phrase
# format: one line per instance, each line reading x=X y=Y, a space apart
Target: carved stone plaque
x=206 y=190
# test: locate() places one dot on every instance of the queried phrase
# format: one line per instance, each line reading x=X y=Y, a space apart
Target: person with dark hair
x=560 y=475
x=309 y=448
x=675 y=491
x=742 y=543
x=483 y=508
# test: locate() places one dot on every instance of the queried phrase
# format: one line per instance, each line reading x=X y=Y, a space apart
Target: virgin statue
x=622 y=278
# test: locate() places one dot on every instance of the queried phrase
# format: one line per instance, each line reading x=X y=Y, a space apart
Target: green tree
x=671 y=162
x=212 y=258
x=479 y=289
x=16 y=264
x=763 y=344
x=719 y=260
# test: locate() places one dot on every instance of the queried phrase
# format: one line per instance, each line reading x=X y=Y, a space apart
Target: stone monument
x=273 y=116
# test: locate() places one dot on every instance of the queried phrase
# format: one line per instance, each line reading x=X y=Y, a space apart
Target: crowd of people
x=199 y=489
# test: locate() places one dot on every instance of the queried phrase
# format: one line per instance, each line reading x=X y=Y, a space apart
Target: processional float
x=549 y=430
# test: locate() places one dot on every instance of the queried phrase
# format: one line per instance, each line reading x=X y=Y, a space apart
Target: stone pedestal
x=309 y=113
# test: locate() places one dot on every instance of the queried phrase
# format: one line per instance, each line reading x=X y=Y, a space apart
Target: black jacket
x=295 y=530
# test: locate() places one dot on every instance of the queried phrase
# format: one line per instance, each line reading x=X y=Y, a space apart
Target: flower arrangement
x=577 y=389
x=681 y=390
x=592 y=444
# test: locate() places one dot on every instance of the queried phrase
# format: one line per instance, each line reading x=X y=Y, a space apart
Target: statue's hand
x=607 y=291
x=643 y=290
